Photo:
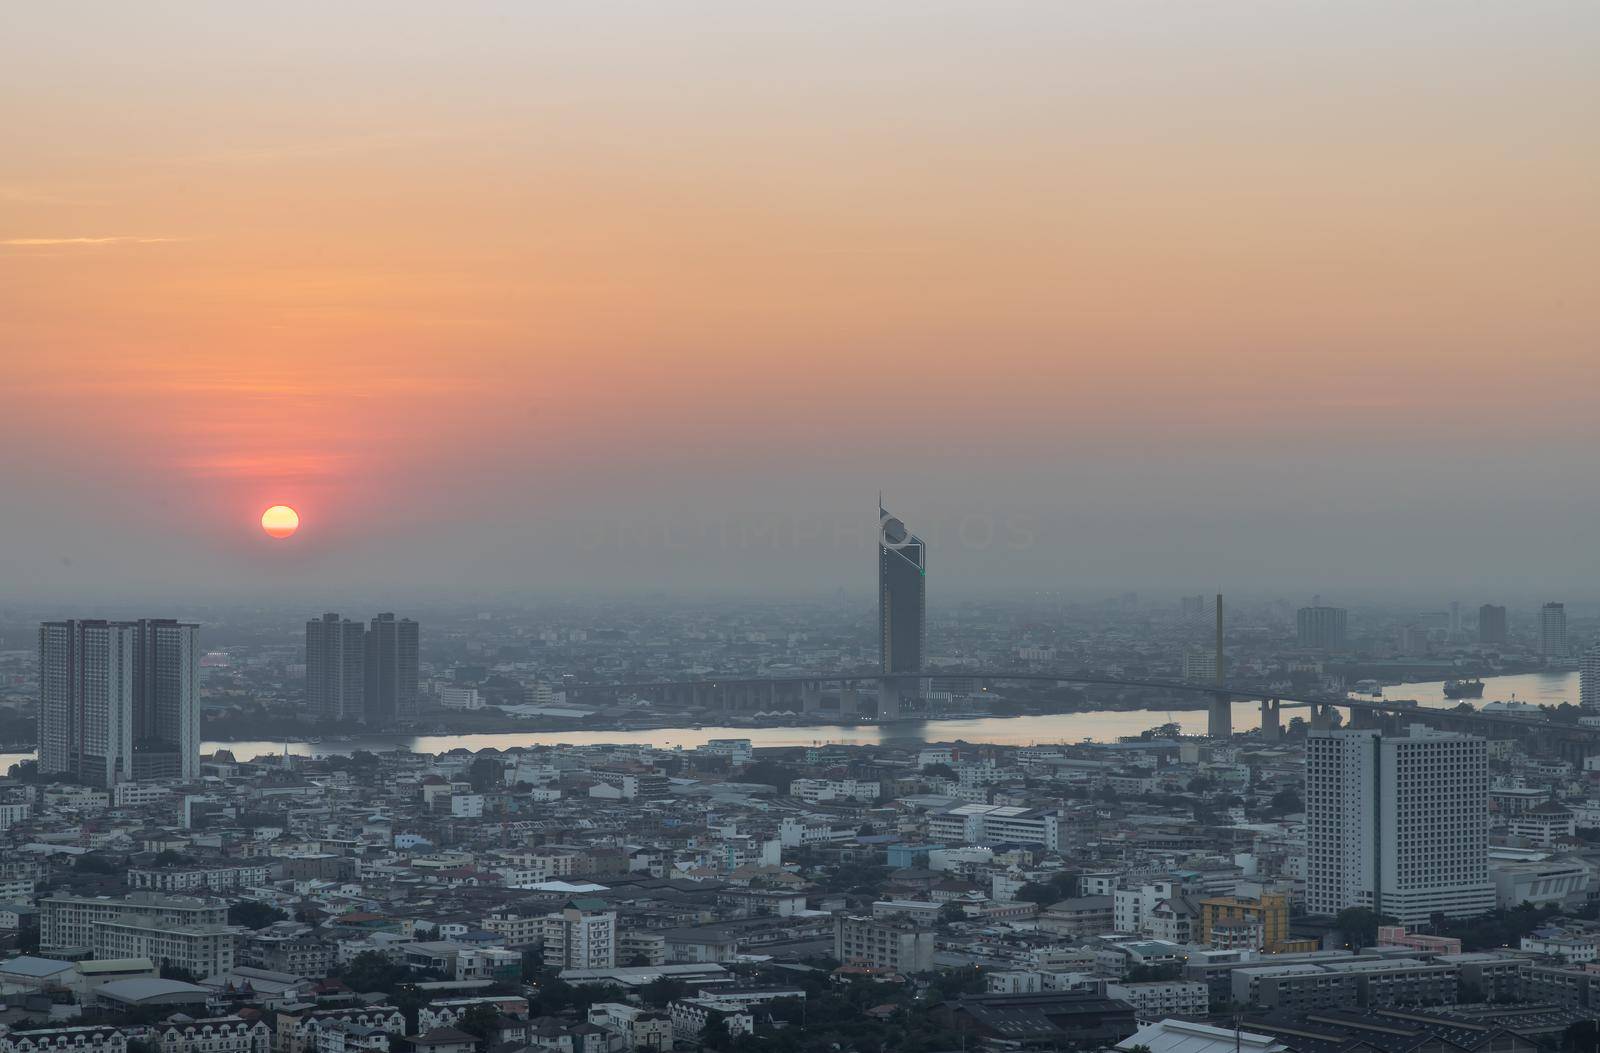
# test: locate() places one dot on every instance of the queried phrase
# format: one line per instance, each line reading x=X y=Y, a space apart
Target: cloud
x=120 y=239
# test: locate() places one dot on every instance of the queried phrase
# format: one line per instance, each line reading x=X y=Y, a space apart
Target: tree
x=938 y=771
x=663 y=990
x=769 y=773
x=952 y=912
x=487 y=773
x=173 y=971
x=1044 y=895
x=1286 y=801
x=479 y=1020
x=253 y=915
x=90 y=863
x=1360 y=925
x=372 y=971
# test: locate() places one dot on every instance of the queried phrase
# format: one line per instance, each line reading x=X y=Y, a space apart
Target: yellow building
x=1230 y=914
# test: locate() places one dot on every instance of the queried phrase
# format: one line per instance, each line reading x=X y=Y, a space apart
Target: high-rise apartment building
x=391 y=673
x=902 y=596
x=119 y=700
x=1553 y=631
x=166 y=700
x=1491 y=624
x=365 y=673
x=1199 y=664
x=1398 y=824
x=582 y=935
x=1321 y=628
x=1589 y=680
x=336 y=668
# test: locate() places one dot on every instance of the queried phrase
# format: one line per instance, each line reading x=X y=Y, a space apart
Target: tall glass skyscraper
x=902 y=596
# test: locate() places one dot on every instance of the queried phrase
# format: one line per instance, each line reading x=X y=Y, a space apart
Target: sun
x=280 y=521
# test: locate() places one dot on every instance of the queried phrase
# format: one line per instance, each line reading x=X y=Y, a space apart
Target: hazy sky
x=1283 y=295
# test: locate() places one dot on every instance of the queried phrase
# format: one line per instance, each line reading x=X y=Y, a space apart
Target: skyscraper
x=166 y=700
x=902 y=596
x=119 y=700
x=1398 y=824
x=1491 y=624
x=1553 y=631
x=336 y=668
x=1321 y=628
x=1589 y=680
x=391 y=671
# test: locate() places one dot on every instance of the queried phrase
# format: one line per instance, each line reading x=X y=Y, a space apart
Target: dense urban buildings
x=119 y=700
x=1163 y=870
x=1397 y=824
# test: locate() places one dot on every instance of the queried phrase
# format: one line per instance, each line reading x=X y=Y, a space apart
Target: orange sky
x=433 y=266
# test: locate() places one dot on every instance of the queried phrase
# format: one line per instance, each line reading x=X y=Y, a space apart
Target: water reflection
x=1099 y=726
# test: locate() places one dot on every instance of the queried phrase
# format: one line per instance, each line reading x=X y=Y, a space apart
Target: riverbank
x=479 y=723
x=1098 y=725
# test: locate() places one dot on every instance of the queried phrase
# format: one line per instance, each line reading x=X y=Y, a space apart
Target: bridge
x=755 y=694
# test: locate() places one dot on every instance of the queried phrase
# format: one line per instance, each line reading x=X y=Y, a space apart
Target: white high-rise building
x=582 y=935
x=1553 y=630
x=1398 y=824
x=119 y=700
x=1589 y=680
x=86 y=701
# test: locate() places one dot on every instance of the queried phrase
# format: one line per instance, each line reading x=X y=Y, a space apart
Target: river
x=1099 y=726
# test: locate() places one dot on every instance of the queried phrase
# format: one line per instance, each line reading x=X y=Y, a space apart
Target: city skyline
x=440 y=610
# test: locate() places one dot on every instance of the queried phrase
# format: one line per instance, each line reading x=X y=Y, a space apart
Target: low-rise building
x=1154 y=999
x=879 y=943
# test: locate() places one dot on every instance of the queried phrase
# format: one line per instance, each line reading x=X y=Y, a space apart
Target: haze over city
x=619 y=298
x=888 y=526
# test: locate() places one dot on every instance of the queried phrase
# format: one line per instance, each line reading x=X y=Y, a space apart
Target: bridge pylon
x=1219 y=717
x=1271 y=723
x=889 y=698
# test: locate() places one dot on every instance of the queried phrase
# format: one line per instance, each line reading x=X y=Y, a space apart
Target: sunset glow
x=549 y=263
